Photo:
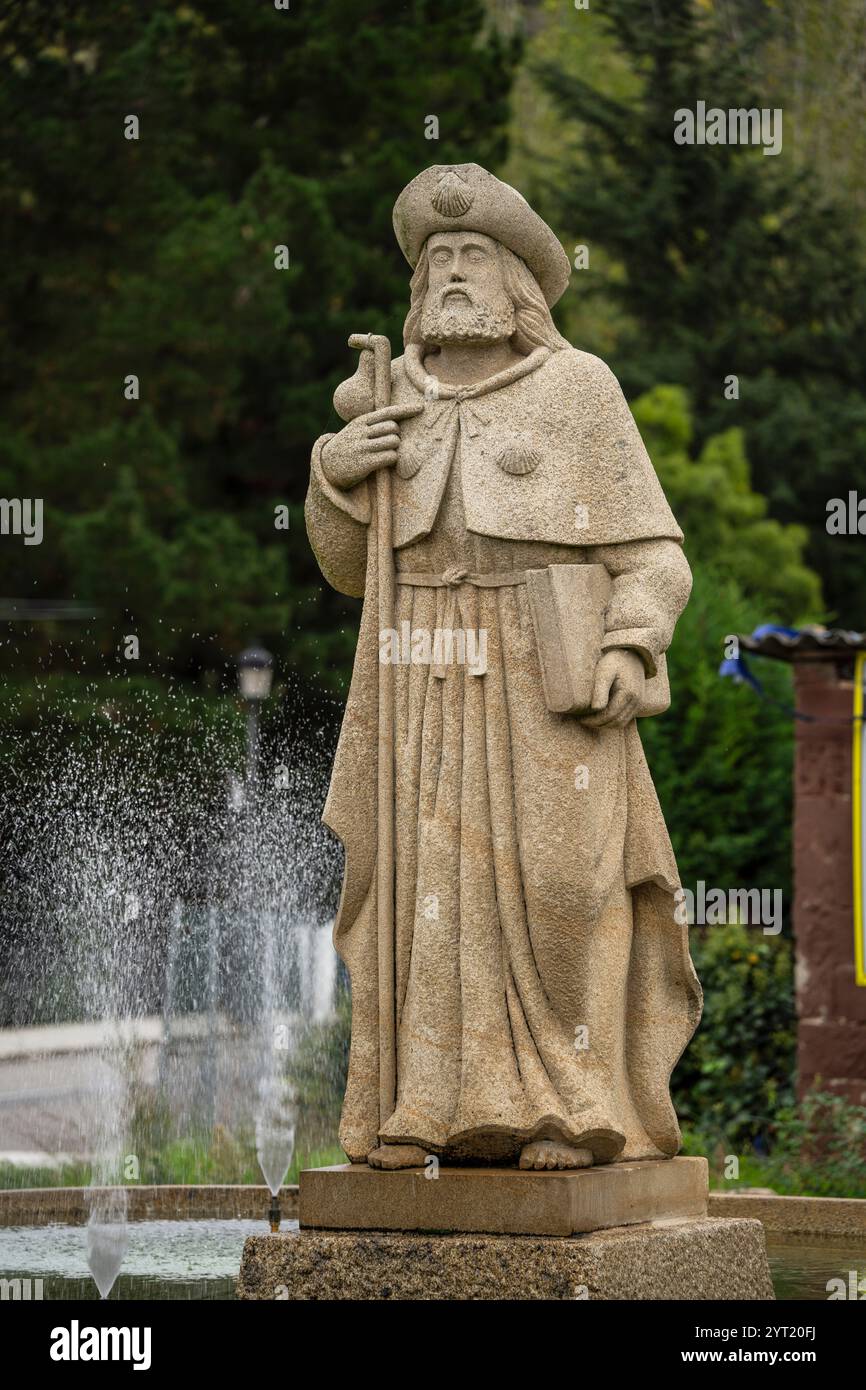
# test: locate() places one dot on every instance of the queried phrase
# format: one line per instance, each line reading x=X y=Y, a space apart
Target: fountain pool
x=199 y=1259
x=163 y=1260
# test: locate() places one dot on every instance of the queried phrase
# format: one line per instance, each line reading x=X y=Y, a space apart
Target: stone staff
x=381 y=350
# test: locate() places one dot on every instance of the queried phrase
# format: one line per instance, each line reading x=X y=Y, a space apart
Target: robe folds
x=544 y=988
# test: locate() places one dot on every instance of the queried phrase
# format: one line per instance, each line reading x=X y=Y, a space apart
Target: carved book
x=568 y=604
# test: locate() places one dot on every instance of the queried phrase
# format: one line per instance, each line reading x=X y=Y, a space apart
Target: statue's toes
x=538 y=1155
x=393 y=1156
x=545 y=1154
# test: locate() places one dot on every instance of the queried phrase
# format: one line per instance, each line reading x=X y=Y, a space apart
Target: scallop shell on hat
x=452 y=196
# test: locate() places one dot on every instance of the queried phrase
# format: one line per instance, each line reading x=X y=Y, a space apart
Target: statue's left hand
x=618 y=690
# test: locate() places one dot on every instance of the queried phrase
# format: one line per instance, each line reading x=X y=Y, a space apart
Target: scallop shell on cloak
x=409 y=460
x=518 y=457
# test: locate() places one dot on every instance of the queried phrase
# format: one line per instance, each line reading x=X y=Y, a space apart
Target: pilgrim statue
x=521 y=984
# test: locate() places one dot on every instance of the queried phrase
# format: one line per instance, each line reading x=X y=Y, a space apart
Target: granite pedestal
x=623 y=1231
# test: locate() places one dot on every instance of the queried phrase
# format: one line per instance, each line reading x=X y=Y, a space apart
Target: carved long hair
x=534 y=326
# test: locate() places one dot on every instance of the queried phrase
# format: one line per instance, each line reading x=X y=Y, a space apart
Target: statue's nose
x=457 y=276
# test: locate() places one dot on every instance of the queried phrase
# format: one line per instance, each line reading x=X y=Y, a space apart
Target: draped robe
x=544 y=987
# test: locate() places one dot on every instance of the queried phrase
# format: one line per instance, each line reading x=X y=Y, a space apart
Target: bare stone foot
x=554 y=1153
x=391 y=1156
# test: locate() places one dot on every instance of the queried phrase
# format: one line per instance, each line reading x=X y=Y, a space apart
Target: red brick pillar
x=831 y=1008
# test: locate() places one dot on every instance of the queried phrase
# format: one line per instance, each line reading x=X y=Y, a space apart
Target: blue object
x=738 y=669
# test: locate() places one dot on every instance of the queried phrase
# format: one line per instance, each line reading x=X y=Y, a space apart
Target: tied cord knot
x=452 y=578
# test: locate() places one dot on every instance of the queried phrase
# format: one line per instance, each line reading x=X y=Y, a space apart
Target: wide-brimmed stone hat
x=458 y=197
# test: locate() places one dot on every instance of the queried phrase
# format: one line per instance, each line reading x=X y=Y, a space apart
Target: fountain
x=107 y=1237
x=184 y=916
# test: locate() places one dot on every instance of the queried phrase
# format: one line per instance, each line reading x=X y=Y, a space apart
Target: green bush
x=818 y=1150
x=736 y=1079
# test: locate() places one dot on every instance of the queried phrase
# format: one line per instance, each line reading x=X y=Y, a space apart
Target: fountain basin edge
x=44 y=1206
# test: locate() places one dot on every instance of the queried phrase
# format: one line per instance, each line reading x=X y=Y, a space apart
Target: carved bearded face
x=466 y=299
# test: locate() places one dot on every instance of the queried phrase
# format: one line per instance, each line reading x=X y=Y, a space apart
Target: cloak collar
x=422 y=380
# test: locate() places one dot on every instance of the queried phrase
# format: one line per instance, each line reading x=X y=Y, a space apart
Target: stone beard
x=457 y=314
x=543 y=988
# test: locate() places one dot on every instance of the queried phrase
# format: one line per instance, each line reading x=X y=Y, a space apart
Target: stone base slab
x=699 y=1259
x=502 y=1201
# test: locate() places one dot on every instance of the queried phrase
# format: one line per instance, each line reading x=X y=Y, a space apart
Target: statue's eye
x=441 y=257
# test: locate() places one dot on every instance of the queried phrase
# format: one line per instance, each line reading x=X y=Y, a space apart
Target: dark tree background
x=155 y=257
x=725 y=260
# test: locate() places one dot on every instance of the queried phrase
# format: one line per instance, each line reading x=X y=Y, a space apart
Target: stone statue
x=521 y=987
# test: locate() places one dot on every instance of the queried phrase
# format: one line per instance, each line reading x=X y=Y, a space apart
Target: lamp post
x=255 y=674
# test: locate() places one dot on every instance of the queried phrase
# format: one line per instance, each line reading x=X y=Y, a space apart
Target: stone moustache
x=521 y=986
